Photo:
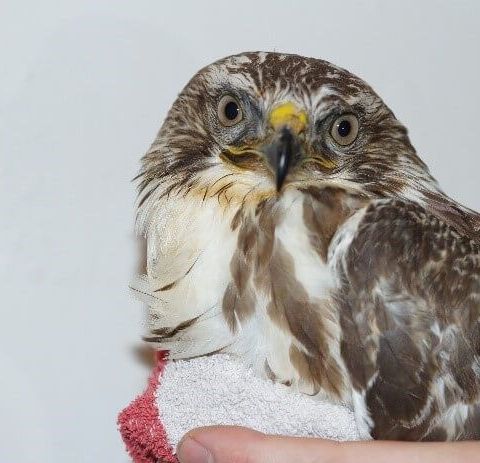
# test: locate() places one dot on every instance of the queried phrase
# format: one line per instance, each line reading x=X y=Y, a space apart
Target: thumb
x=229 y=444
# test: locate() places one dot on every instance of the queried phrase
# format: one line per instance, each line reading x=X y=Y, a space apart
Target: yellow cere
x=288 y=115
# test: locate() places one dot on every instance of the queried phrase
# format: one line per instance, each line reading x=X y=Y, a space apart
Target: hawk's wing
x=409 y=302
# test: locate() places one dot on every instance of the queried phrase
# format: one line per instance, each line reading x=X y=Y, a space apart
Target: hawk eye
x=345 y=129
x=229 y=111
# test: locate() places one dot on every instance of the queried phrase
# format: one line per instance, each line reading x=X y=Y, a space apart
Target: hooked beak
x=285 y=150
x=281 y=155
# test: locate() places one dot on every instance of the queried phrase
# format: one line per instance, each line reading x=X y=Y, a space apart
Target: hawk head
x=252 y=126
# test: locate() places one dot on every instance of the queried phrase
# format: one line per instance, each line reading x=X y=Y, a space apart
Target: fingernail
x=190 y=451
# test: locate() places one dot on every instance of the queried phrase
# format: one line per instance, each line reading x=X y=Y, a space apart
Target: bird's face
x=254 y=125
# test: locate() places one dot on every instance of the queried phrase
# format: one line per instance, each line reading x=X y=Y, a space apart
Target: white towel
x=219 y=390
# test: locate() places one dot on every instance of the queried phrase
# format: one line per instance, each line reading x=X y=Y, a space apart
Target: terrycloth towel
x=183 y=395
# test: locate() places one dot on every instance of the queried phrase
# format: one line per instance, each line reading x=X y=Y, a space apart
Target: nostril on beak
x=288 y=115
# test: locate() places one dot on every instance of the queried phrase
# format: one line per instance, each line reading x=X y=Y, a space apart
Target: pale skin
x=228 y=444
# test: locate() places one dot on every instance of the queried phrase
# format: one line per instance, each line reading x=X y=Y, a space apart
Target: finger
x=225 y=444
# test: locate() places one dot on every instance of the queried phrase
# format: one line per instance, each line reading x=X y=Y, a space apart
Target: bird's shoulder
x=391 y=234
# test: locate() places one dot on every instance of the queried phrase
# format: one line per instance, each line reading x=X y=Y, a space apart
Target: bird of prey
x=290 y=222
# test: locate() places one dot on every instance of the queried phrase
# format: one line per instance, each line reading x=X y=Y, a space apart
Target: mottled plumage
x=328 y=259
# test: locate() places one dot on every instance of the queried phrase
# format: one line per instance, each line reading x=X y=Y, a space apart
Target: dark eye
x=229 y=111
x=345 y=129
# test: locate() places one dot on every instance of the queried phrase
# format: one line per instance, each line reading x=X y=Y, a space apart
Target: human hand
x=228 y=444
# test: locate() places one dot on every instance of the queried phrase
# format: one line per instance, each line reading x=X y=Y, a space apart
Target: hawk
x=290 y=222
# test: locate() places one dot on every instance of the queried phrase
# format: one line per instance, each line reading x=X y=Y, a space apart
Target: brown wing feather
x=464 y=220
x=411 y=302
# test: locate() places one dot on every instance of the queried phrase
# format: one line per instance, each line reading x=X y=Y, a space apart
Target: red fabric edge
x=140 y=427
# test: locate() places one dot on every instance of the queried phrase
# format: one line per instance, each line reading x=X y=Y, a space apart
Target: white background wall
x=84 y=87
